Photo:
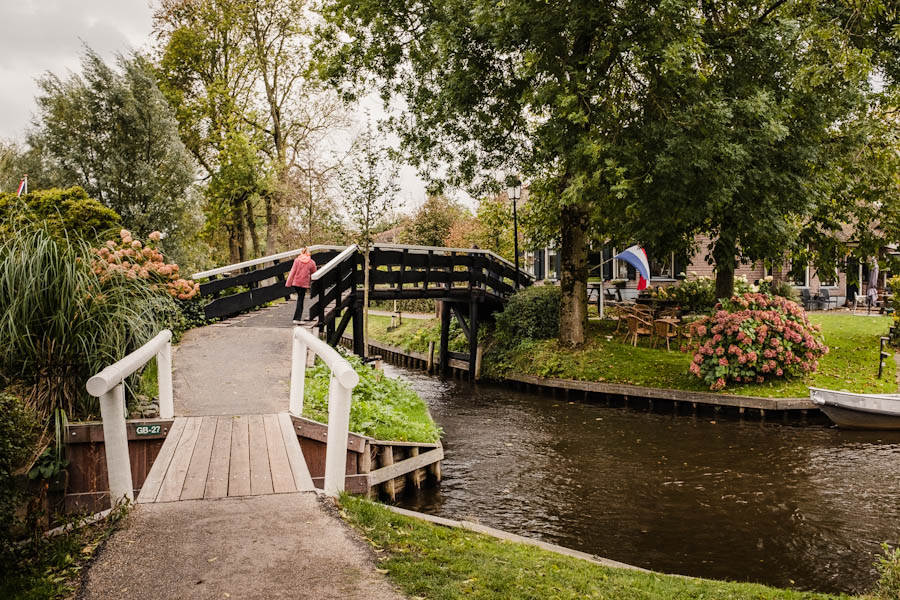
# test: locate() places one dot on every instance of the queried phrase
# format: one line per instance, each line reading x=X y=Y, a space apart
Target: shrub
x=61 y=323
x=752 y=338
x=382 y=407
x=18 y=435
x=530 y=314
x=131 y=259
x=888 y=567
x=778 y=288
x=63 y=212
x=694 y=295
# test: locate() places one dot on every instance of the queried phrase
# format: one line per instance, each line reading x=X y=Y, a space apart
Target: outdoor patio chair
x=809 y=303
x=638 y=326
x=617 y=313
x=824 y=298
x=664 y=329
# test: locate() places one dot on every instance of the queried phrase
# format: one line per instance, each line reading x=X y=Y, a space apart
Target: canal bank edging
x=512 y=537
x=788 y=409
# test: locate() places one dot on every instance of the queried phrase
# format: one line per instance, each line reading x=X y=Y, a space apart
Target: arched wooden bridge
x=471 y=285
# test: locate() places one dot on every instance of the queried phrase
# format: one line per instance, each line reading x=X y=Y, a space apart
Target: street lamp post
x=515 y=192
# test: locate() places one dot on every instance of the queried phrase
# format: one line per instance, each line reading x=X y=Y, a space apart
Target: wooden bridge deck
x=220 y=456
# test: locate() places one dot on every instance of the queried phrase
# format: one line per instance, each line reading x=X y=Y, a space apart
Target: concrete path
x=283 y=545
x=268 y=547
x=232 y=371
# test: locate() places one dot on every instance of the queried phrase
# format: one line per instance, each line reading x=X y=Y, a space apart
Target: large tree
x=112 y=132
x=369 y=184
x=240 y=69
x=527 y=86
x=735 y=130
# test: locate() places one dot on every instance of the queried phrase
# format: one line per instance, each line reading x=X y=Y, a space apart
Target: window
x=622 y=270
x=663 y=268
x=553 y=263
x=827 y=279
x=799 y=274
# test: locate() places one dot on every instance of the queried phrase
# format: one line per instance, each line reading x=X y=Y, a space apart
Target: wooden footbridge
x=471 y=285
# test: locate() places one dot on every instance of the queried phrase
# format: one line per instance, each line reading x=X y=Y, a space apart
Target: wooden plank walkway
x=219 y=456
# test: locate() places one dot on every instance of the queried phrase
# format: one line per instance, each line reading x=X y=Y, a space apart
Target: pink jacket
x=300 y=273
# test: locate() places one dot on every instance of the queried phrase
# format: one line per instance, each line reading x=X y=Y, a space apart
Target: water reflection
x=798 y=507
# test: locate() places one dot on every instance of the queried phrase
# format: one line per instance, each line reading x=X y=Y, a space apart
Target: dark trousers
x=301 y=295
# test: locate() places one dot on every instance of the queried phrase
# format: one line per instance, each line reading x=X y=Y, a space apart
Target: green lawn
x=414 y=334
x=851 y=363
x=439 y=563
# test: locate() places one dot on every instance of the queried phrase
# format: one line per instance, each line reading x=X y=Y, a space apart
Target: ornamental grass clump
x=755 y=337
x=61 y=323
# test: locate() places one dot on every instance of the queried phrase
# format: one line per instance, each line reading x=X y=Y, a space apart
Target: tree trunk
x=365 y=344
x=251 y=225
x=271 y=223
x=724 y=255
x=237 y=231
x=573 y=276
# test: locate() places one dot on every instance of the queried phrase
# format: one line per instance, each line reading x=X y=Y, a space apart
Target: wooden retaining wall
x=786 y=409
x=88 y=487
x=373 y=466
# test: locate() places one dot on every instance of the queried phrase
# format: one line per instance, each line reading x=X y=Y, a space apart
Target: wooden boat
x=858 y=411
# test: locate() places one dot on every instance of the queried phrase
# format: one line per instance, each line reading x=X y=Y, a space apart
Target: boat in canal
x=858 y=411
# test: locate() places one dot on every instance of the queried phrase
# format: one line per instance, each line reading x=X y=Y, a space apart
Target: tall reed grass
x=60 y=324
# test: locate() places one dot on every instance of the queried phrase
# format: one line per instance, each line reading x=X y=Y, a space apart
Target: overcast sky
x=48 y=35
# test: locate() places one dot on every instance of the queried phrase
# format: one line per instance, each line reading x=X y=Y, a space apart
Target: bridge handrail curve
x=261 y=260
x=343 y=379
x=108 y=385
x=334 y=262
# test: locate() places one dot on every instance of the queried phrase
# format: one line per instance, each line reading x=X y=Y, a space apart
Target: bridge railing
x=109 y=386
x=343 y=379
x=253 y=274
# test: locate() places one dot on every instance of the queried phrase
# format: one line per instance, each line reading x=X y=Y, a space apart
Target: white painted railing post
x=338 y=427
x=108 y=385
x=115 y=441
x=298 y=375
x=164 y=376
x=340 y=390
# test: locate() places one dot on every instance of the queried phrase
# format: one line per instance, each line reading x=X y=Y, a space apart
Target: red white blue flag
x=637 y=258
x=23 y=186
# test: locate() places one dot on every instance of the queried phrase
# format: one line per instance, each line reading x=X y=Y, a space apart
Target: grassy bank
x=439 y=563
x=382 y=407
x=851 y=363
x=415 y=334
x=51 y=568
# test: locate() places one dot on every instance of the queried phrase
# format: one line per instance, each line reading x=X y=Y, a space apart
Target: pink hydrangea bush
x=128 y=257
x=755 y=337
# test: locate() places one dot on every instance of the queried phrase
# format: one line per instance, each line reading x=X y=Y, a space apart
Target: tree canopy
x=644 y=122
x=113 y=133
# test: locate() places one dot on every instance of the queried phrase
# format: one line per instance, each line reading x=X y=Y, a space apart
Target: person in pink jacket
x=299 y=278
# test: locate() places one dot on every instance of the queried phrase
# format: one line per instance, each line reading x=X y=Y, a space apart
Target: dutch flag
x=637 y=258
x=23 y=186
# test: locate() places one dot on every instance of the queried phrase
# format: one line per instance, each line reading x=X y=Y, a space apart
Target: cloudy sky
x=48 y=35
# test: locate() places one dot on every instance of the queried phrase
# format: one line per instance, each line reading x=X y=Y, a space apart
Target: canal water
x=791 y=506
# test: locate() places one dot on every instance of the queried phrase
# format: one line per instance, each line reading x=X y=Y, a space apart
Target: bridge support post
x=473 y=338
x=445 y=337
x=358 y=343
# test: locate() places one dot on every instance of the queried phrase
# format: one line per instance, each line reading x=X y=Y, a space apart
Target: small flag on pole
x=23 y=186
x=637 y=258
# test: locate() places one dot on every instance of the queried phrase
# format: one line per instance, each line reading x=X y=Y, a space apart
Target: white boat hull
x=859 y=411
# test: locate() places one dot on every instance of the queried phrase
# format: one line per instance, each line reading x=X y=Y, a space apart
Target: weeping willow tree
x=60 y=323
